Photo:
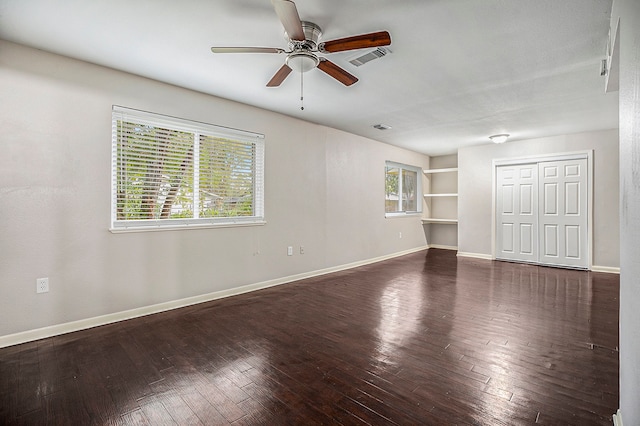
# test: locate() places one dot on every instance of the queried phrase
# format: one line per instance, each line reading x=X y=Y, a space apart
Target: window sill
x=397 y=215
x=156 y=228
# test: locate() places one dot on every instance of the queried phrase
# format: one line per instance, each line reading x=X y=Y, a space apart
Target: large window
x=403 y=189
x=169 y=172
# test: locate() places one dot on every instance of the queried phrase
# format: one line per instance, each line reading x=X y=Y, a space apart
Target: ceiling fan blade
x=336 y=72
x=288 y=15
x=247 y=50
x=380 y=38
x=279 y=76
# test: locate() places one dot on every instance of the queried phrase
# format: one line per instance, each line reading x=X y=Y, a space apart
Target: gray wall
x=324 y=191
x=475 y=189
x=629 y=13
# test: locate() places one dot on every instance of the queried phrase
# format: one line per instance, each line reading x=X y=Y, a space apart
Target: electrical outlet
x=301 y=250
x=42 y=285
x=290 y=251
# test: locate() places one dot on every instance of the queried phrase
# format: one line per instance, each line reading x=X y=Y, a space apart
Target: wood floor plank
x=9 y=381
x=63 y=407
x=202 y=408
x=427 y=338
x=96 y=398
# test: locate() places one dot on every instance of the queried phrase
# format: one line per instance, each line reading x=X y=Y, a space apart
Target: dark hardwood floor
x=422 y=339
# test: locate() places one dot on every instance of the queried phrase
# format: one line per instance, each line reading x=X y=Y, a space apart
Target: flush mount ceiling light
x=501 y=138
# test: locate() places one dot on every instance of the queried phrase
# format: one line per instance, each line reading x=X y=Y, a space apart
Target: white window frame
x=197 y=128
x=419 y=203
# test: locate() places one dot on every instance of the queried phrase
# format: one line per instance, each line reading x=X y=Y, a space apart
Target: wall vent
x=369 y=56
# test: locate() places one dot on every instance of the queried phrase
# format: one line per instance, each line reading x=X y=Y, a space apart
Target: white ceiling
x=460 y=70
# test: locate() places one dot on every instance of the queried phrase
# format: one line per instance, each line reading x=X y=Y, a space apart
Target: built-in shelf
x=447 y=170
x=430 y=196
x=443 y=221
x=441 y=195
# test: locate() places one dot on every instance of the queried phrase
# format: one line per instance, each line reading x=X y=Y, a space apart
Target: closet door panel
x=516 y=212
x=550 y=247
x=564 y=199
x=572 y=240
x=527 y=239
x=550 y=201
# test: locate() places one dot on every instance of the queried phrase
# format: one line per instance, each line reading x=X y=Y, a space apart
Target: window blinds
x=174 y=172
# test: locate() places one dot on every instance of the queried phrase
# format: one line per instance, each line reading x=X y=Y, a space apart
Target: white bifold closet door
x=517 y=213
x=541 y=213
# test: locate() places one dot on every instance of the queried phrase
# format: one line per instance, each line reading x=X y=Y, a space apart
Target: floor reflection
x=517 y=322
x=400 y=313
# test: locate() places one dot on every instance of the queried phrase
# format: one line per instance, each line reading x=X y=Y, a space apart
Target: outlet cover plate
x=42 y=285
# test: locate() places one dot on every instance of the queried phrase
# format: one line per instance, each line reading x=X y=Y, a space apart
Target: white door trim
x=576 y=155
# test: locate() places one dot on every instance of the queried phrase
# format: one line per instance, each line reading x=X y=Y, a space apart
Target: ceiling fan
x=304 y=46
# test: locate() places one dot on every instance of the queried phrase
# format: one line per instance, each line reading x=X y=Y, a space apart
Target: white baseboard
x=442 y=246
x=606 y=269
x=475 y=255
x=55 y=330
x=617 y=419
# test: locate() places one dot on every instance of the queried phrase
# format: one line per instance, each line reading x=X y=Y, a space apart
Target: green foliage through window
x=402 y=189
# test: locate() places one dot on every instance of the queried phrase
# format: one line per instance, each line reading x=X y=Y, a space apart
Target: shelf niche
x=441 y=218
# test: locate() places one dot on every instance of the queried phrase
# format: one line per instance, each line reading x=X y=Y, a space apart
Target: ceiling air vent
x=369 y=56
x=381 y=126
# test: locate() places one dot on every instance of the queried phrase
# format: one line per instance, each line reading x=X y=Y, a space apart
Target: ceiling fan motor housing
x=302 y=59
x=312 y=34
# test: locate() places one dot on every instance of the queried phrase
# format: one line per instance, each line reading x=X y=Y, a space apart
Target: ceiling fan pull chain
x=301 y=90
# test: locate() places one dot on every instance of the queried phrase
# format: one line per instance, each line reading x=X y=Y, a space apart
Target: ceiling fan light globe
x=302 y=61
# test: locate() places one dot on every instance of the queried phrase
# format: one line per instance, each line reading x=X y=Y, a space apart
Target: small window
x=169 y=172
x=403 y=187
